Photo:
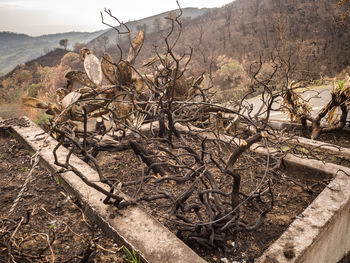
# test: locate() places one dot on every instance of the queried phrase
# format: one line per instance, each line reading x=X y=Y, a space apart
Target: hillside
x=39 y=76
x=225 y=41
x=51 y=59
x=16 y=49
x=43 y=74
x=301 y=32
x=152 y=24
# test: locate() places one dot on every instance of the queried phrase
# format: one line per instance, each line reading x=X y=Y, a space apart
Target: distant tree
x=145 y=27
x=157 y=25
x=64 y=43
x=142 y=27
x=46 y=50
x=78 y=46
x=138 y=28
x=104 y=42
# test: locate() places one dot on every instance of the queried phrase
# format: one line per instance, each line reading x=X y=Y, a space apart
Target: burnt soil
x=45 y=215
x=293 y=191
x=340 y=138
x=47 y=211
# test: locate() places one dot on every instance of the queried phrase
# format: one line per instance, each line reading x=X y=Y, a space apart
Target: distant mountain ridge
x=17 y=48
x=6 y=36
x=26 y=69
x=148 y=24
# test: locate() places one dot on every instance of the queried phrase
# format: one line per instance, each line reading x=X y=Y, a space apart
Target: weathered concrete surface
x=339 y=151
x=321 y=234
x=131 y=225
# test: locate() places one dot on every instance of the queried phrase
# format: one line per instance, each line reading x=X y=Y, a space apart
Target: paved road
x=318 y=98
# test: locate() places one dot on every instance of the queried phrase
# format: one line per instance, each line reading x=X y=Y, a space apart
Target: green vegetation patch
x=33 y=90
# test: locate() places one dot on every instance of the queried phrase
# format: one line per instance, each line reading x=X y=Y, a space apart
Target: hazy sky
x=37 y=17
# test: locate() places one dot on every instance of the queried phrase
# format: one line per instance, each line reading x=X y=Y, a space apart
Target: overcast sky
x=37 y=17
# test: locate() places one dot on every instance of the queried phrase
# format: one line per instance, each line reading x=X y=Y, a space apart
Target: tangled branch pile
x=175 y=129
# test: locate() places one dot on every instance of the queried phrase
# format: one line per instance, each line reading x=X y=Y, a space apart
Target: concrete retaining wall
x=131 y=225
x=320 y=234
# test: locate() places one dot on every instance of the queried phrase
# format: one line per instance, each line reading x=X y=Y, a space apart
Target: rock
x=289 y=253
x=281 y=220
